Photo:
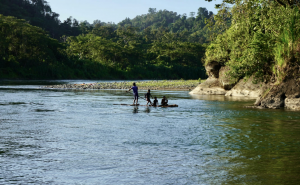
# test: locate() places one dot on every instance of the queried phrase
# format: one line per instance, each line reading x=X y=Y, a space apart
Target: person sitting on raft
x=164 y=101
x=135 y=93
x=147 y=96
x=155 y=102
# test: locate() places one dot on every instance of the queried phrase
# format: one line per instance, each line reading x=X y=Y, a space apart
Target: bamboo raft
x=174 y=105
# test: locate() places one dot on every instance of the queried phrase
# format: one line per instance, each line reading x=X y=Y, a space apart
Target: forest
x=161 y=44
x=263 y=39
x=257 y=38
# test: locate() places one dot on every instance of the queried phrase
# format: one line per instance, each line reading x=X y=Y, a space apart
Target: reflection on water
x=268 y=145
x=221 y=98
x=135 y=109
x=147 y=110
x=80 y=137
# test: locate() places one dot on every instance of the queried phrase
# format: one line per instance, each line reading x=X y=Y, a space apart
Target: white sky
x=117 y=10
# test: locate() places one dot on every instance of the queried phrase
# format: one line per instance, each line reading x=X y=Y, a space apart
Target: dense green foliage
x=39 y=13
x=132 y=52
x=157 y=45
x=191 y=29
x=27 y=51
x=263 y=39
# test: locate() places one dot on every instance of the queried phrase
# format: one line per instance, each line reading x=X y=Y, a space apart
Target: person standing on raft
x=135 y=93
x=147 y=96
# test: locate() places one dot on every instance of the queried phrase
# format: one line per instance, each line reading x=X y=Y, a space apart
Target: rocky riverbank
x=285 y=94
x=153 y=85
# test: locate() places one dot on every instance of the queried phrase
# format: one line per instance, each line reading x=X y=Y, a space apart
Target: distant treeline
x=157 y=45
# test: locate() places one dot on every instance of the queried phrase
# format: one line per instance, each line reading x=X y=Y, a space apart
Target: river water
x=52 y=136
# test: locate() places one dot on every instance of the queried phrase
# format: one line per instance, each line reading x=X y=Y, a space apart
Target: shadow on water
x=13 y=103
x=44 y=110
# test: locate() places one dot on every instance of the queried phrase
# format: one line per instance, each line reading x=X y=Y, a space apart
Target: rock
x=285 y=93
x=293 y=102
x=297 y=95
x=258 y=101
x=255 y=107
x=214 y=85
x=226 y=82
x=210 y=86
x=274 y=101
x=247 y=88
x=212 y=69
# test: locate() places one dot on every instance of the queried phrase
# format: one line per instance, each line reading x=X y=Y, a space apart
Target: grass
x=156 y=84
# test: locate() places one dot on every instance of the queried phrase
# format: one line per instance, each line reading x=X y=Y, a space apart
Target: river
x=50 y=136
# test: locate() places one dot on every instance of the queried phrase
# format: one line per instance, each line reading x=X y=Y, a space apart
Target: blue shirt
x=134 y=89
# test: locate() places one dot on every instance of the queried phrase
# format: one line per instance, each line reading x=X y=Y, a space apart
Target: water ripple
x=79 y=137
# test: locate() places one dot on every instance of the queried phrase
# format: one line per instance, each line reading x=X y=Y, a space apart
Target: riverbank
x=143 y=85
x=268 y=94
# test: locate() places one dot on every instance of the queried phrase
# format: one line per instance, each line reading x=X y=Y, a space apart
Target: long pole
x=138 y=96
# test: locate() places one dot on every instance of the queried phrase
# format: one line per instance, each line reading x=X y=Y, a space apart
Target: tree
x=152 y=10
x=261 y=40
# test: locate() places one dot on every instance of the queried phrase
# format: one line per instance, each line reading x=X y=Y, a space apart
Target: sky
x=117 y=10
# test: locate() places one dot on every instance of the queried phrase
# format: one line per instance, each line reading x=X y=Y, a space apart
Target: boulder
x=284 y=94
x=247 y=88
x=226 y=82
x=213 y=85
x=268 y=94
x=272 y=103
x=210 y=86
x=212 y=69
x=292 y=102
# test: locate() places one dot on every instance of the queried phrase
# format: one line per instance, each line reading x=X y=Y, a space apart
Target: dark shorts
x=135 y=95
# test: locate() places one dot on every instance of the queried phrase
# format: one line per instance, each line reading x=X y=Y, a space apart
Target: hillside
x=192 y=28
x=39 y=13
x=262 y=45
x=163 y=49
